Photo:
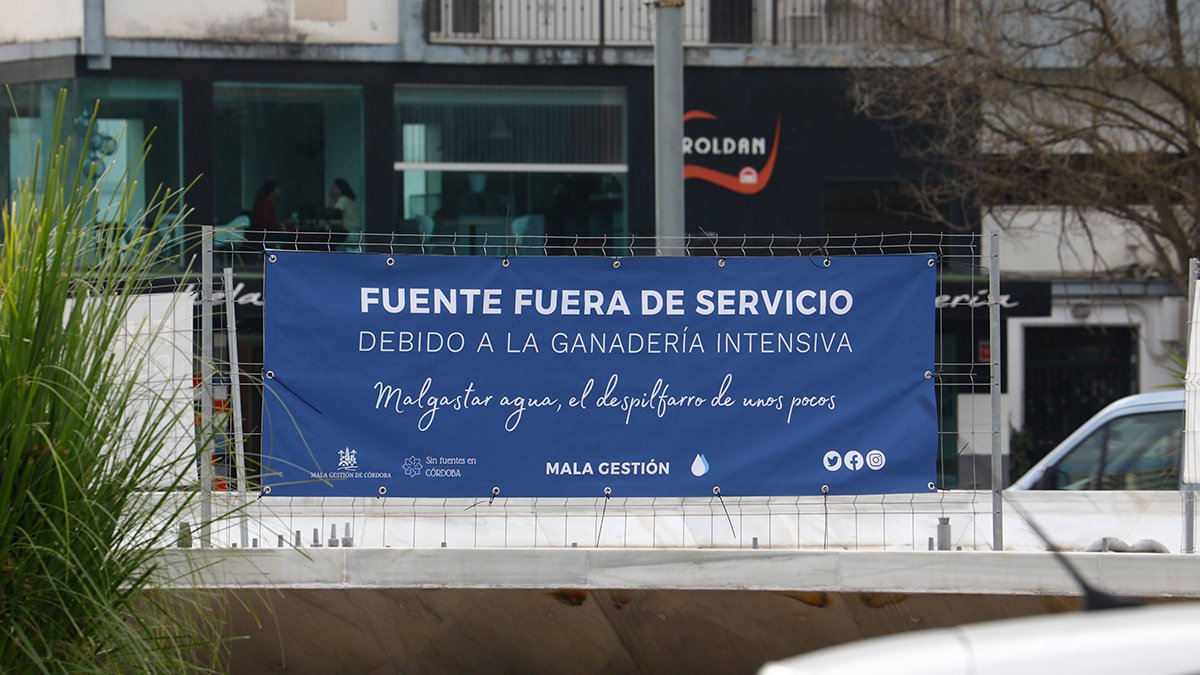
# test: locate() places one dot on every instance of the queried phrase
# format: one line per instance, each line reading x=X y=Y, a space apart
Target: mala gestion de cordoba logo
x=748 y=180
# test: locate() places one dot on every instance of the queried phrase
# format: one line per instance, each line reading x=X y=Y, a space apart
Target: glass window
x=299 y=139
x=1136 y=452
x=481 y=168
x=131 y=113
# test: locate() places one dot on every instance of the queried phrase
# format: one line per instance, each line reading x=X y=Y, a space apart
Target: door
x=1070 y=374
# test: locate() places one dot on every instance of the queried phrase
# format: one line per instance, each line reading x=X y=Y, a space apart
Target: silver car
x=1133 y=444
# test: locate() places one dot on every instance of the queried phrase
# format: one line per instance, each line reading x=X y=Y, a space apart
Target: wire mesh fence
x=963 y=382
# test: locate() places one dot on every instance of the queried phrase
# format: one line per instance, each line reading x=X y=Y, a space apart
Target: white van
x=1133 y=444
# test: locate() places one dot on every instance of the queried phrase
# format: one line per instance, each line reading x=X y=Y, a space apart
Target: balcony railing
x=789 y=23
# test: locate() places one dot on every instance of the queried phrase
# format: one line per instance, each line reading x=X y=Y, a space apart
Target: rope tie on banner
x=270 y=375
x=717 y=493
x=603 y=511
x=383 y=513
x=495 y=493
x=855 y=505
x=825 y=505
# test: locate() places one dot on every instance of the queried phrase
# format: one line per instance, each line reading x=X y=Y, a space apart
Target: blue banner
x=437 y=376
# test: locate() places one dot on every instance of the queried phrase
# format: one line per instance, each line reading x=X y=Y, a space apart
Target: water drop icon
x=699 y=466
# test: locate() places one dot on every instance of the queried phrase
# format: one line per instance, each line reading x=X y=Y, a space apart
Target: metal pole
x=668 y=126
x=206 y=377
x=1189 y=489
x=235 y=397
x=994 y=380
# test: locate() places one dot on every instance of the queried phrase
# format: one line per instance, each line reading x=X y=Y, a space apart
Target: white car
x=1155 y=640
x=1134 y=443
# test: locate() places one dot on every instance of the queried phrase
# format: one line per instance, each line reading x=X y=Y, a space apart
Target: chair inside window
x=426 y=233
x=529 y=234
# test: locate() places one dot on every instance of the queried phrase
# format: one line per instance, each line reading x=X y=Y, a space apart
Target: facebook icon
x=854 y=460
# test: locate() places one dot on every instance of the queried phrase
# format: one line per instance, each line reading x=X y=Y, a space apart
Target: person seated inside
x=265 y=226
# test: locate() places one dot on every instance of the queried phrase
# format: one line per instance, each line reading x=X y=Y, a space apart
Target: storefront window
x=132 y=113
x=299 y=137
x=481 y=165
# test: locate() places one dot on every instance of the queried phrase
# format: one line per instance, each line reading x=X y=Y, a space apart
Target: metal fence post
x=1188 y=488
x=235 y=399
x=994 y=382
x=668 y=126
x=205 y=437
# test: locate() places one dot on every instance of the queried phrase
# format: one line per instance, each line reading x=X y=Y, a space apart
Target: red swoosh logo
x=727 y=181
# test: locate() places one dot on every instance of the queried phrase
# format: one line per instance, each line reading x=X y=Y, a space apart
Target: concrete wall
x=574 y=631
x=41 y=20
x=619 y=611
x=1074 y=520
x=369 y=22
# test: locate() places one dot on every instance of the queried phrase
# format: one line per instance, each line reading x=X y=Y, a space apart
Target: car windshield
x=1135 y=452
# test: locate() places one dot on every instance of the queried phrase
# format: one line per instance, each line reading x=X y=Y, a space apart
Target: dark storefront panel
x=1070 y=374
x=766 y=148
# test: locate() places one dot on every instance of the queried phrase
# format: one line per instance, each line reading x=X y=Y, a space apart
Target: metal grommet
x=932 y=485
x=504 y=263
x=270 y=374
x=826 y=262
x=616 y=264
x=607 y=491
x=720 y=262
x=495 y=490
x=932 y=262
x=267 y=490
x=391 y=261
x=824 y=489
x=716 y=490
x=272 y=258
x=382 y=490
x=928 y=374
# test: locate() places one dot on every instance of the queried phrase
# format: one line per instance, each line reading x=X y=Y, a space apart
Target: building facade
x=450 y=117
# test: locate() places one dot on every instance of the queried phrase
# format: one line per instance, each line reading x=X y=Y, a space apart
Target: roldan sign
x=438 y=376
x=701 y=150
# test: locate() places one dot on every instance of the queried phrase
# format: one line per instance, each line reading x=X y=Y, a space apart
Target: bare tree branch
x=1088 y=105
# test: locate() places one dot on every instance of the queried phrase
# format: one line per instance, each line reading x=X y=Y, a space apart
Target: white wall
x=1051 y=242
x=158 y=328
x=41 y=20
x=1048 y=241
x=371 y=22
x=975 y=424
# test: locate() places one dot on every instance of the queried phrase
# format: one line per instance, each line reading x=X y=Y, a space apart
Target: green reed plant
x=80 y=528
